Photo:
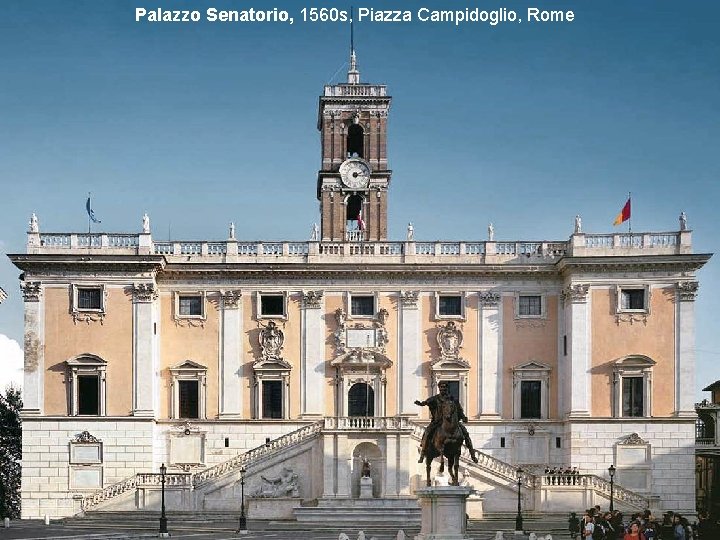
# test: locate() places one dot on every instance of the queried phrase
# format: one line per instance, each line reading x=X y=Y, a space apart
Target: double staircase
x=193 y=481
x=488 y=470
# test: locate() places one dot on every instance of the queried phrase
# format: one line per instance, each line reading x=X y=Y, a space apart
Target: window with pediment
x=531 y=390
x=188 y=382
x=86 y=377
x=271 y=375
x=632 y=386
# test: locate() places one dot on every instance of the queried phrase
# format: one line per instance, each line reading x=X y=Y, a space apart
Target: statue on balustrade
x=445 y=434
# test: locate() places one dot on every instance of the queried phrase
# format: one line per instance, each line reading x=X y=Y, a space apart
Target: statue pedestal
x=443 y=510
x=366 y=487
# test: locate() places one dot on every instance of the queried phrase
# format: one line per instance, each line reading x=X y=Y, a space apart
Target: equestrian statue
x=445 y=434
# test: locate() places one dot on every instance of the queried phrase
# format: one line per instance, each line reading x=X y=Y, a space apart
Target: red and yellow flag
x=624 y=214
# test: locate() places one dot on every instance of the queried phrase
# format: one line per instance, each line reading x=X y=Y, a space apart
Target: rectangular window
x=565 y=345
x=449 y=306
x=530 y=306
x=189 y=399
x=558 y=442
x=632 y=299
x=454 y=389
x=272 y=405
x=632 y=396
x=530 y=399
x=272 y=305
x=89 y=298
x=502 y=442
x=362 y=306
x=88 y=394
x=191 y=306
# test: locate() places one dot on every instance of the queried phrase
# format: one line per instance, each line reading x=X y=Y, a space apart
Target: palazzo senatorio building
x=289 y=364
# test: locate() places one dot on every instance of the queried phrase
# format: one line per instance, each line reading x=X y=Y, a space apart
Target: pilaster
x=490 y=373
x=329 y=465
x=231 y=389
x=343 y=467
x=686 y=293
x=34 y=349
x=409 y=353
x=312 y=355
x=390 y=487
x=144 y=350
x=577 y=302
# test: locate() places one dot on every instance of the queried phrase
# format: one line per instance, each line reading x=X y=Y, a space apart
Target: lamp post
x=163 y=519
x=242 y=520
x=611 y=472
x=518 y=518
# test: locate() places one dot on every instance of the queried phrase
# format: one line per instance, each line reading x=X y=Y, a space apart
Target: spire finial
x=353 y=73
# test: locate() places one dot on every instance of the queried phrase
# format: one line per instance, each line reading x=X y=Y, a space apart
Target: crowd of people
x=598 y=525
x=562 y=476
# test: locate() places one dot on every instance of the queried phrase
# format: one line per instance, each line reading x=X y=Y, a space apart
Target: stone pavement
x=36 y=530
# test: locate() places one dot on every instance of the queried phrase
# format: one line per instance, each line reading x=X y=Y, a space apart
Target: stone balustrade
x=442 y=252
x=372 y=423
x=705 y=442
x=355 y=90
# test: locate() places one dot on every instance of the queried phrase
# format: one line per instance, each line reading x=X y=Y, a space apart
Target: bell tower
x=354 y=176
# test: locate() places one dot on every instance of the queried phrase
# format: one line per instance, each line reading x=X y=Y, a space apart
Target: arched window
x=361 y=400
x=355 y=141
x=354 y=205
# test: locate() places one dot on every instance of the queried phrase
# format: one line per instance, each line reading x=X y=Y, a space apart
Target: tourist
x=573 y=525
x=681 y=528
x=633 y=532
x=649 y=531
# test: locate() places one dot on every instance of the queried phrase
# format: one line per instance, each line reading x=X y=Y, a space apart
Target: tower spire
x=353 y=73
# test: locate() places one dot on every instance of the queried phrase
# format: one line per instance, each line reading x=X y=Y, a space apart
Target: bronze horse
x=446 y=442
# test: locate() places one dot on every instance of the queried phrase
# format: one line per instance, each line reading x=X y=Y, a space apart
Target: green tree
x=10 y=452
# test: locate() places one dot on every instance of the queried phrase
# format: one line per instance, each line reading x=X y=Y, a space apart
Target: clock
x=355 y=173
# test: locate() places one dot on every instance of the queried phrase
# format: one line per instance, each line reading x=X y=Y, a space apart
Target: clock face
x=355 y=173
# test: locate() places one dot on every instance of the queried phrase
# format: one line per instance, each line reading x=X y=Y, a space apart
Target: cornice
x=604 y=264
x=349 y=271
x=38 y=263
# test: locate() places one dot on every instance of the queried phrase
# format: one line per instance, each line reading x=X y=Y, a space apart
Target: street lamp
x=242 y=520
x=518 y=518
x=611 y=472
x=163 y=520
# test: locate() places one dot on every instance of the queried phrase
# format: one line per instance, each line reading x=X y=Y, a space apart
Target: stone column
x=409 y=353
x=34 y=374
x=144 y=351
x=490 y=374
x=578 y=320
x=685 y=348
x=231 y=387
x=312 y=355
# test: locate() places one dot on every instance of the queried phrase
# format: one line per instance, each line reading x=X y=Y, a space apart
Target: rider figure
x=434 y=402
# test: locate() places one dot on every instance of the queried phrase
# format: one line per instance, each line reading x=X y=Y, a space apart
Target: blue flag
x=90 y=212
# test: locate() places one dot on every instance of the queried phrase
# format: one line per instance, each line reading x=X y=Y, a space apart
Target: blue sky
x=522 y=125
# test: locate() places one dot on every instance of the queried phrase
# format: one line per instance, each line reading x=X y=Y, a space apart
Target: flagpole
x=89 y=220
x=630 y=217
